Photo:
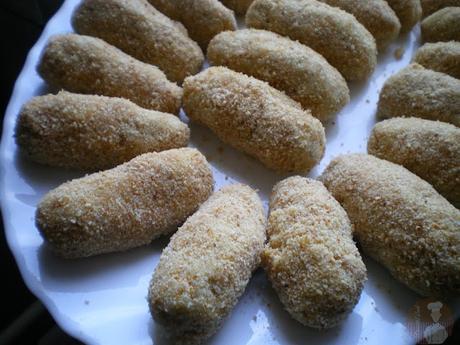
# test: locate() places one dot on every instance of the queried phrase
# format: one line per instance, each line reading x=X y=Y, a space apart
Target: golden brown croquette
x=442 y=26
x=409 y=12
x=440 y=57
x=431 y=6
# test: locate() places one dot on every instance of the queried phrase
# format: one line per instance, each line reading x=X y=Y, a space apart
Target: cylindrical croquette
x=399 y=220
x=141 y=31
x=125 y=207
x=203 y=18
x=442 y=26
x=88 y=65
x=330 y=31
x=409 y=12
x=289 y=66
x=239 y=6
x=207 y=264
x=431 y=6
x=311 y=259
x=418 y=92
x=376 y=16
x=440 y=57
x=255 y=118
x=93 y=132
x=429 y=149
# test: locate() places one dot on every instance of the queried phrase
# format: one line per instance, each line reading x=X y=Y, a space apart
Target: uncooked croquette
x=440 y=57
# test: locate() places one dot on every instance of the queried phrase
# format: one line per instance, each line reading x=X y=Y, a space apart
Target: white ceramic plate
x=102 y=300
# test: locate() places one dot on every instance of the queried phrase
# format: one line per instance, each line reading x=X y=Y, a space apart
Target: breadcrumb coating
x=93 y=132
x=443 y=25
x=376 y=16
x=333 y=33
x=207 y=264
x=239 y=6
x=429 y=149
x=125 y=207
x=141 y=31
x=409 y=12
x=418 y=92
x=400 y=221
x=289 y=66
x=431 y=6
x=255 y=118
x=88 y=65
x=311 y=259
x=440 y=57
x=203 y=18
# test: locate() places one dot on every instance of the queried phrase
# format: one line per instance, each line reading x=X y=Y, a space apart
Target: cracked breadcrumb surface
x=203 y=18
x=429 y=149
x=399 y=220
x=88 y=65
x=207 y=264
x=255 y=118
x=289 y=66
x=443 y=25
x=239 y=6
x=431 y=6
x=418 y=92
x=125 y=207
x=330 y=31
x=409 y=12
x=376 y=16
x=440 y=57
x=93 y=132
x=311 y=259
x=138 y=29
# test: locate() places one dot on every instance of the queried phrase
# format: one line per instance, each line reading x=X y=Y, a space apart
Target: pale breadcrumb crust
x=399 y=220
x=141 y=31
x=431 y=6
x=440 y=57
x=333 y=33
x=84 y=64
x=255 y=118
x=203 y=18
x=376 y=16
x=311 y=258
x=93 y=132
x=289 y=66
x=125 y=207
x=409 y=12
x=429 y=149
x=207 y=264
x=443 y=25
x=418 y=92
x=239 y=6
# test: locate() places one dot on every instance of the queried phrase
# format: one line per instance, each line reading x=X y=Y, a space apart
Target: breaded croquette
x=399 y=220
x=203 y=18
x=440 y=57
x=88 y=65
x=409 y=12
x=141 y=31
x=255 y=118
x=125 y=207
x=333 y=33
x=207 y=264
x=418 y=92
x=311 y=259
x=376 y=16
x=442 y=26
x=93 y=132
x=239 y=6
x=429 y=149
x=431 y=6
x=289 y=66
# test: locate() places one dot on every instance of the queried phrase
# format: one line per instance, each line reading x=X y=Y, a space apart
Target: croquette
x=255 y=118
x=138 y=29
x=203 y=18
x=84 y=64
x=92 y=133
x=207 y=264
x=311 y=259
x=429 y=149
x=442 y=26
x=440 y=57
x=289 y=66
x=239 y=6
x=330 y=31
x=399 y=220
x=431 y=6
x=418 y=92
x=409 y=12
x=125 y=207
